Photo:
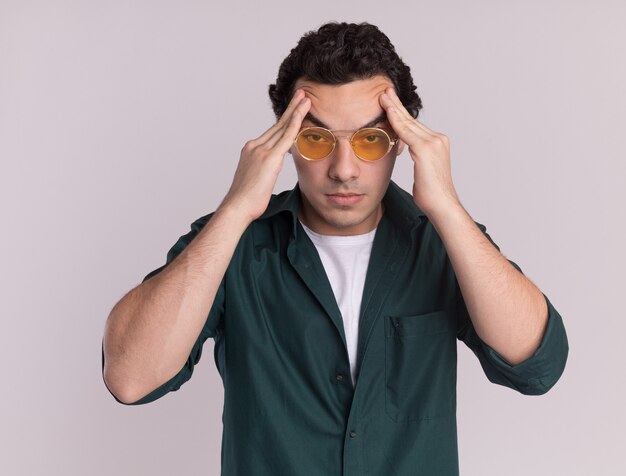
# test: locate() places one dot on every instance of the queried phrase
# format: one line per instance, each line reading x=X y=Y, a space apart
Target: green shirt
x=280 y=348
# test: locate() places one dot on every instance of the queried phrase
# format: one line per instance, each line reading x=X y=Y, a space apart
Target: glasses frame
x=392 y=141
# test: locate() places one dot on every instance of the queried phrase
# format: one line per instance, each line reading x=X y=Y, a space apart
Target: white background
x=121 y=122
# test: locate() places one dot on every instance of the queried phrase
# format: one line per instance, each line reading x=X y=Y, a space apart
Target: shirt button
x=339 y=377
x=352 y=434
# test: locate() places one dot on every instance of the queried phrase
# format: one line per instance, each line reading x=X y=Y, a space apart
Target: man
x=335 y=307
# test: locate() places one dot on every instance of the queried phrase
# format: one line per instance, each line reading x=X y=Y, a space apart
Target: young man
x=335 y=307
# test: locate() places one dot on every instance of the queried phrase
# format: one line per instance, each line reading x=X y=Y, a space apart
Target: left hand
x=432 y=178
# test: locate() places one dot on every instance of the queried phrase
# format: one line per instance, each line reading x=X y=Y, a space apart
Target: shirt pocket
x=420 y=366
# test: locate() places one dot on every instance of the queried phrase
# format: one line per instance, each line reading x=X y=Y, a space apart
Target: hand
x=432 y=178
x=262 y=159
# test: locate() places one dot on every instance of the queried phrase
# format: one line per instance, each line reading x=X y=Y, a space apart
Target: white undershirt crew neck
x=345 y=260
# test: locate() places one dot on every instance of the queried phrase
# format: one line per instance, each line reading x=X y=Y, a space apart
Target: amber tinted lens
x=315 y=143
x=371 y=144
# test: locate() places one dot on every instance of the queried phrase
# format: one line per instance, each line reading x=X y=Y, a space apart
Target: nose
x=343 y=164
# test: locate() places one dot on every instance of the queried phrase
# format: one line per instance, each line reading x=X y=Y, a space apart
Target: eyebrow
x=310 y=117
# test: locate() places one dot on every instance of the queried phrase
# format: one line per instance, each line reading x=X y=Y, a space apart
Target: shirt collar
x=399 y=206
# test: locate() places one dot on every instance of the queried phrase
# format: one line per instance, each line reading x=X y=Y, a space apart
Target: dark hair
x=339 y=53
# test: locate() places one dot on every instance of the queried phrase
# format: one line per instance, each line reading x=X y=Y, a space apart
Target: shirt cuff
x=538 y=373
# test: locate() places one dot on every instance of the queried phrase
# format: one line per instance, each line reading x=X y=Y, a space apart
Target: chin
x=345 y=220
x=348 y=220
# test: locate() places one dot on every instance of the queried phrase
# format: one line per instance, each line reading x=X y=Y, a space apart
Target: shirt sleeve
x=535 y=375
x=210 y=328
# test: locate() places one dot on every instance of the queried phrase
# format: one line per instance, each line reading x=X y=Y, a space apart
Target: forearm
x=507 y=310
x=151 y=331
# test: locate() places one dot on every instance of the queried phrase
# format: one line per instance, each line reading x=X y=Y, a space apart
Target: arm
x=508 y=311
x=151 y=331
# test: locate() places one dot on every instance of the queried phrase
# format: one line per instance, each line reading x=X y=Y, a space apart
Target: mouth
x=345 y=199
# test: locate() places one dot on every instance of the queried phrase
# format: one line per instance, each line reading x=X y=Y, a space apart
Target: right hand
x=262 y=159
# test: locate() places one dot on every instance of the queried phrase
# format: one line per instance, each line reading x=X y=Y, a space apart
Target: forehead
x=345 y=106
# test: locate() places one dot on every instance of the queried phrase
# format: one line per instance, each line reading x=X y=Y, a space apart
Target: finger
x=394 y=101
x=397 y=114
x=408 y=131
x=433 y=134
x=423 y=126
x=278 y=133
x=284 y=142
x=284 y=118
x=397 y=103
x=298 y=95
x=406 y=128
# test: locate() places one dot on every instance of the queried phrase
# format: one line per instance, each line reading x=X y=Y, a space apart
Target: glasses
x=369 y=144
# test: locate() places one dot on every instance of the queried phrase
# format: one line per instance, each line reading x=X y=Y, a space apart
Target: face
x=342 y=194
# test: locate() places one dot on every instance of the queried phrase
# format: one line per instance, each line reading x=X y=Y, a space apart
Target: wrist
x=444 y=208
x=236 y=212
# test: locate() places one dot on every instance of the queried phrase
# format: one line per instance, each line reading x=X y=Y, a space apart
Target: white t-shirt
x=345 y=260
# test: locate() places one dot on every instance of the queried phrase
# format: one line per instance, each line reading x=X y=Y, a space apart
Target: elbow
x=539 y=385
x=122 y=393
x=116 y=380
x=543 y=383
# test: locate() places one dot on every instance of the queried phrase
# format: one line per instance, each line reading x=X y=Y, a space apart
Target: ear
x=399 y=147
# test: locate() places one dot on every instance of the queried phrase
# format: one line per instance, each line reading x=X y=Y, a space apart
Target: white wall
x=121 y=122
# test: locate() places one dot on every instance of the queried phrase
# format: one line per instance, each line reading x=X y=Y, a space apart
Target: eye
x=372 y=138
x=315 y=138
